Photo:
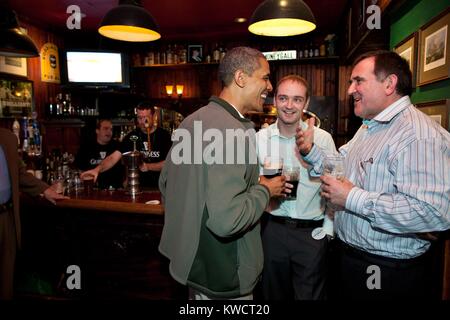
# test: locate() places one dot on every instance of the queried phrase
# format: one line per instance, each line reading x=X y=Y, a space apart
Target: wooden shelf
x=179 y=65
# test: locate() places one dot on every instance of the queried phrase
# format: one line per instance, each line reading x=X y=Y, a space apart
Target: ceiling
x=177 y=18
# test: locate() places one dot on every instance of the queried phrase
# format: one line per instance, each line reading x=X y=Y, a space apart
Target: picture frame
x=438 y=110
x=434 y=51
x=13 y=65
x=195 y=53
x=16 y=97
x=407 y=49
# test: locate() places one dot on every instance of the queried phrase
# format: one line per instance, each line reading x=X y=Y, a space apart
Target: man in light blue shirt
x=397 y=185
x=294 y=260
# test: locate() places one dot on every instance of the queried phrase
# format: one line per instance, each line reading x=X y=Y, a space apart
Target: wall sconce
x=169 y=90
x=180 y=89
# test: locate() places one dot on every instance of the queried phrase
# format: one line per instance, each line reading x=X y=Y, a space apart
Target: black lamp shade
x=129 y=23
x=282 y=18
x=13 y=42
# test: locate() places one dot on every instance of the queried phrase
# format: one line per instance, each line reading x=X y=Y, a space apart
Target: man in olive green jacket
x=209 y=183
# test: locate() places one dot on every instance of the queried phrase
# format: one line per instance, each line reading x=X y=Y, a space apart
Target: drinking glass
x=292 y=174
x=333 y=165
x=272 y=166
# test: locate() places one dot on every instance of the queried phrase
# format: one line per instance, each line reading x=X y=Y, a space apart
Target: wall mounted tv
x=96 y=69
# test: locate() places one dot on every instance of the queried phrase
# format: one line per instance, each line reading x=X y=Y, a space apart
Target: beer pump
x=133 y=160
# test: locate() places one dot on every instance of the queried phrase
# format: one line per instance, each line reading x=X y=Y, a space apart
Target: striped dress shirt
x=400 y=167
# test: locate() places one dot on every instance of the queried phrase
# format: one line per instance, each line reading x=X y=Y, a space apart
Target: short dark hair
x=100 y=121
x=239 y=58
x=146 y=105
x=389 y=62
x=294 y=78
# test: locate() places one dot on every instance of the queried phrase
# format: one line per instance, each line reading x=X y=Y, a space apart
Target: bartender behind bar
x=91 y=154
x=153 y=142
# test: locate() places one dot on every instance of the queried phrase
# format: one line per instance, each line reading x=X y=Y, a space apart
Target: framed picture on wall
x=434 y=55
x=407 y=49
x=195 y=53
x=13 y=65
x=16 y=97
x=438 y=110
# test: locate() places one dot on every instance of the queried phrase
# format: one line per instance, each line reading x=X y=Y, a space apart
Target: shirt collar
x=240 y=114
x=274 y=131
x=394 y=109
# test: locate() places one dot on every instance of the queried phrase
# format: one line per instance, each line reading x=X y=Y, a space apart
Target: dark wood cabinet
x=63 y=134
x=112 y=238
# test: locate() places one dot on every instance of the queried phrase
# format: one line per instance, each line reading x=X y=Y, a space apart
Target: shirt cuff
x=362 y=202
x=314 y=158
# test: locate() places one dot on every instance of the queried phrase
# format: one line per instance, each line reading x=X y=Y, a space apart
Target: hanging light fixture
x=281 y=18
x=13 y=42
x=129 y=21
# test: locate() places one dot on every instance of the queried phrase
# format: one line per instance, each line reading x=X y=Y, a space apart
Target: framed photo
x=16 y=97
x=407 y=49
x=434 y=56
x=195 y=53
x=13 y=65
x=438 y=110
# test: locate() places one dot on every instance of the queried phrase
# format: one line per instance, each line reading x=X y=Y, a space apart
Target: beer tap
x=147 y=126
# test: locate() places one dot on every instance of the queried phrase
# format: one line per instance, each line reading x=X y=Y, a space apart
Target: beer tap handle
x=134 y=139
x=147 y=126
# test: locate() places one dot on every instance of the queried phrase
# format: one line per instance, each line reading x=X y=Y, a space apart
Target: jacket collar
x=229 y=108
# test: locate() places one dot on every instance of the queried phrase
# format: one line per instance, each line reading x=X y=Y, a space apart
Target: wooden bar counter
x=112 y=237
x=115 y=201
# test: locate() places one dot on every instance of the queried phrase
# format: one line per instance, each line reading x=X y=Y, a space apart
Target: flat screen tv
x=97 y=69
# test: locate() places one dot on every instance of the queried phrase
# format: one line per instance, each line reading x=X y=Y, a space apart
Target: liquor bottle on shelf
x=182 y=55
x=216 y=53
x=169 y=55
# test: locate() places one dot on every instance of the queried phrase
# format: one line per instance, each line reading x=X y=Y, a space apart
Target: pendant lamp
x=129 y=21
x=281 y=18
x=13 y=42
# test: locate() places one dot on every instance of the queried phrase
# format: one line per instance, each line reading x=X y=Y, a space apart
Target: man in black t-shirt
x=91 y=154
x=153 y=142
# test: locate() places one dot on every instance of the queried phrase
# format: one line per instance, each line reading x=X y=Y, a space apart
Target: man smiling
x=294 y=261
x=211 y=229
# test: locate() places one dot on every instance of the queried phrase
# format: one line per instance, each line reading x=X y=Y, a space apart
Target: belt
x=377 y=259
x=297 y=223
x=6 y=206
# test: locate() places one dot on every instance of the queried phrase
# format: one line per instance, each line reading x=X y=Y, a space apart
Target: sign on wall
x=50 y=63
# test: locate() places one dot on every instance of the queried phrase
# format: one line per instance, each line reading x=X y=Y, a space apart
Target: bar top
x=116 y=201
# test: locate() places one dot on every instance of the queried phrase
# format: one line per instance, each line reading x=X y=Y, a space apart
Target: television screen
x=96 y=68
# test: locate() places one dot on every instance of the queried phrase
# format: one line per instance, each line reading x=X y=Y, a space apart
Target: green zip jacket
x=211 y=232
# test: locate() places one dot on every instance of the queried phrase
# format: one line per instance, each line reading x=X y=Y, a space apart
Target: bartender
x=91 y=154
x=152 y=141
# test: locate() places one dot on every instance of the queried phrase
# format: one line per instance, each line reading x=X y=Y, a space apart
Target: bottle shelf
x=178 y=65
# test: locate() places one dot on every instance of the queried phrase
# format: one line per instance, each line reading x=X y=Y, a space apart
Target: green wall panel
x=408 y=19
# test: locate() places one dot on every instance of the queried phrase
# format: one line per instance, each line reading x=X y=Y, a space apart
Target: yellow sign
x=50 y=63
